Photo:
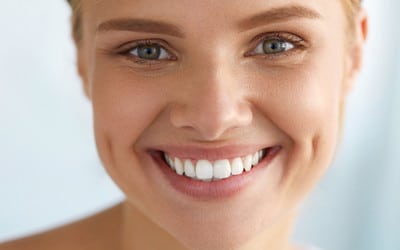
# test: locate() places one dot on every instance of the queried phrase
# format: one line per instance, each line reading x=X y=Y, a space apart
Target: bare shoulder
x=99 y=231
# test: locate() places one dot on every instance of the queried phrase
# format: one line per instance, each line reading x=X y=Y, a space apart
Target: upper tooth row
x=219 y=169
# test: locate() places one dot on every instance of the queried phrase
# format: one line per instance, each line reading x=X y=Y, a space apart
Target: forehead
x=214 y=14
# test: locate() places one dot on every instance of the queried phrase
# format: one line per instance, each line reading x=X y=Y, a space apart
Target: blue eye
x=273 y=46
x=150 y=52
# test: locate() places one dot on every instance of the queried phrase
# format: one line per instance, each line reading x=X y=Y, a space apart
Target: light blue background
x=50 y=173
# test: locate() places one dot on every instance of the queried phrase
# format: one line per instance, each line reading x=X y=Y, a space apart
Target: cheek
x=303 y=101
x=125 y=105
x=304 y=104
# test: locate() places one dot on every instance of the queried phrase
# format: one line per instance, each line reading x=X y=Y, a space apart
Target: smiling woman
x=215 y=124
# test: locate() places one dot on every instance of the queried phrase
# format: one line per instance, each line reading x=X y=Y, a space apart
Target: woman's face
x=208 y=83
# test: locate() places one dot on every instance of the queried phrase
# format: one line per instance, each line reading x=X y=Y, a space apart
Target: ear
x=355 y=55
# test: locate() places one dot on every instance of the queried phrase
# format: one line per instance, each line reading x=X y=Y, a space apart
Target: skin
x=215 y=92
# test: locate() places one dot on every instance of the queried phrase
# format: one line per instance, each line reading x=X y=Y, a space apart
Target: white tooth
x=237 y=166
x=204 y=170
x=260 y=155
x=247 y=162
x=255 y=159
x=170 y=162
x=178 y=166
x=222 y=169
x=166 y=158
x=189 y=169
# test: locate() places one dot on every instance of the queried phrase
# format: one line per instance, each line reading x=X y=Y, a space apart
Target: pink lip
x=220 y=189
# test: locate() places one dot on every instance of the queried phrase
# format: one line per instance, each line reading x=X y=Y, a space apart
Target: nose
x=212 y=102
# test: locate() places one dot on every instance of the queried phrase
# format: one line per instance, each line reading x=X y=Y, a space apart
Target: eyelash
x=126 y=51
x=297 y=42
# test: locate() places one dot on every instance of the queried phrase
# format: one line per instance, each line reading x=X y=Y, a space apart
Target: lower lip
x=211 y=190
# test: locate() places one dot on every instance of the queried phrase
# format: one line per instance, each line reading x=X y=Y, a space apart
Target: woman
x=215 y=118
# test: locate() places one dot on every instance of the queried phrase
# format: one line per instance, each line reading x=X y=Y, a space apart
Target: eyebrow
x=141 y=25
x=277 y=15
x=160 y=27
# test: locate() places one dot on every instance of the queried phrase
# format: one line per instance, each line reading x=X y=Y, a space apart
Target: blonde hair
x=351 y=8
x=76 y=19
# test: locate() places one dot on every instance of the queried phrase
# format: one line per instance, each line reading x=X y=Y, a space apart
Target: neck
x=139 y=232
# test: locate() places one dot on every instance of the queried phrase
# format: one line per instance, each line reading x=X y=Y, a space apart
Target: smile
x=205 y=173
x=206 y=170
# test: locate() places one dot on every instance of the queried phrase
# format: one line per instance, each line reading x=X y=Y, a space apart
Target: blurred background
x=50 y=173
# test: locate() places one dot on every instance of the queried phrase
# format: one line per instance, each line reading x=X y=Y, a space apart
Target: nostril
x=179 y=117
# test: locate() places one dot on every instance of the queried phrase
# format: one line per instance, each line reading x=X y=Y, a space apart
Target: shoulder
x=99 y=231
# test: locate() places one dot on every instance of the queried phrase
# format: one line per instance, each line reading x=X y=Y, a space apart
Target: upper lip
x=210 y=153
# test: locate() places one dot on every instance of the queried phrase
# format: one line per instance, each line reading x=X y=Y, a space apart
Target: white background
x=50 y=173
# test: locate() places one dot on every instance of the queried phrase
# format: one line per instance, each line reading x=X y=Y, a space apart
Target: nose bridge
x=216 y=96
x=213 y=101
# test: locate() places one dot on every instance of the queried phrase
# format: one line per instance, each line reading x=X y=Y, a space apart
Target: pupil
x=275 y=46
x=149 y=52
